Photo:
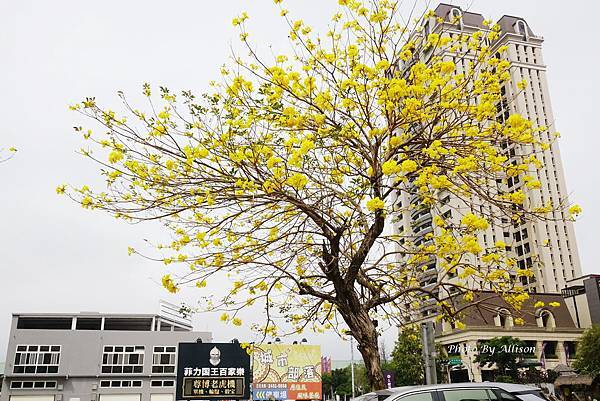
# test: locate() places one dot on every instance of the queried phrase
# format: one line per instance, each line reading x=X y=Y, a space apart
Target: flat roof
x=86 y=314
x=89 y=320
x=591 y=275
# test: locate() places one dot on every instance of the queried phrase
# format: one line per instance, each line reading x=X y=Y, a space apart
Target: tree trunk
x=370 y=353
x=365 y=333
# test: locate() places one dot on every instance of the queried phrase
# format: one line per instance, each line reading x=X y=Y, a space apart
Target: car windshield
x=531 y=396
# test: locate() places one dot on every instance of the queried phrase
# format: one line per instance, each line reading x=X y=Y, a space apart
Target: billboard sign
x=286 y=371
x=216 y=371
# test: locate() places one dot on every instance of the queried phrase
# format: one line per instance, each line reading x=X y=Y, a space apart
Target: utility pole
x=383 y=351
x=428 y=337
x=352 y=361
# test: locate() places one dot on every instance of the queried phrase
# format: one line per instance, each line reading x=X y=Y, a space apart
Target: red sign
x=304 y=391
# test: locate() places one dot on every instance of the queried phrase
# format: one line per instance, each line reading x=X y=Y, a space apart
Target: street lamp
x=349 y=333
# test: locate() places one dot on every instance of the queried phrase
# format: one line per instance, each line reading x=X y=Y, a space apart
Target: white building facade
x=548 y=247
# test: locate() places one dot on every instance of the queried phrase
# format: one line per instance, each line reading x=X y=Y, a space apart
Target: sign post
x=390 y=379
x=215 y=371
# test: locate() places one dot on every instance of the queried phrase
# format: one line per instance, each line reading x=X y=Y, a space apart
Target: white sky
x=57 y=257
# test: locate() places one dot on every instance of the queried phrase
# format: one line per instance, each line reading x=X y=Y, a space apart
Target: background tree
x=407 y=359
x=505 y=360
x=340 y=381
x=327 y=385
x=533 y=375
x=588 y=352
x=284 y=177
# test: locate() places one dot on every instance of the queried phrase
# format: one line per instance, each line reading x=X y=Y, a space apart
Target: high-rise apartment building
x=548 y=247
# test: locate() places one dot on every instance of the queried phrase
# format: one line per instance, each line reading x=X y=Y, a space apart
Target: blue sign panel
x=270 y=394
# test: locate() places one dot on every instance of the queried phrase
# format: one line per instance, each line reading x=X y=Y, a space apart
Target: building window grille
x=163 y=360
x=123 y=359
x=36 y=359
x=34 y=385
x=162 y=383
x=120 y=383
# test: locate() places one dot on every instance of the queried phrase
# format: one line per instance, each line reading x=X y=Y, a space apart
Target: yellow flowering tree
x=284 y=177
x=5 y=156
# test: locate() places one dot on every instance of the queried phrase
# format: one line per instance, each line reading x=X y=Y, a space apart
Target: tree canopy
x=588 y=357
x=504 y=353
x=284 y=176
x=407 y=359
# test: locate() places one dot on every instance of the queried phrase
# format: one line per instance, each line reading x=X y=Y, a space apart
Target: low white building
x=94 y=357
x=549 y=333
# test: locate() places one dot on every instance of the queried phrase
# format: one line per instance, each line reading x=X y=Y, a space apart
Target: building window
x=550 y=349
x=456 y=16
x=35 y=385
x=162 y=383
x=123 y=359
x=546 y=319
x=503 y=319
x=163 y=360
x=35 y=359
x=570 y=349
x=120 y=383
x=522 y=29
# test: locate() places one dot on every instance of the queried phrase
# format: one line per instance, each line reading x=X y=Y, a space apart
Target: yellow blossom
x=169 y=284
x=575 y=210
x=297 y=181
x=516 y=197
x=408 y=166
x=390 y=167
x=472 y=222
x=115 y=156
x=375 y=204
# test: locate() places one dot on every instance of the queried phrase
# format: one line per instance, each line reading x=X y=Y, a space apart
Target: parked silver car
x=487 y=391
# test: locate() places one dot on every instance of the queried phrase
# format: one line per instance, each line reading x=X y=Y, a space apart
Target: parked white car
x=486 y=391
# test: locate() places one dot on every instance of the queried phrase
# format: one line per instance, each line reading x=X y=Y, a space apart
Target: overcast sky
x=57 y=257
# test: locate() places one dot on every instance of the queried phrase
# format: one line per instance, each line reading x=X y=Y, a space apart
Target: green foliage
x=340 y=381
x=588 y=352
x=534 y=375
x=502 y=351
x=407 y=361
